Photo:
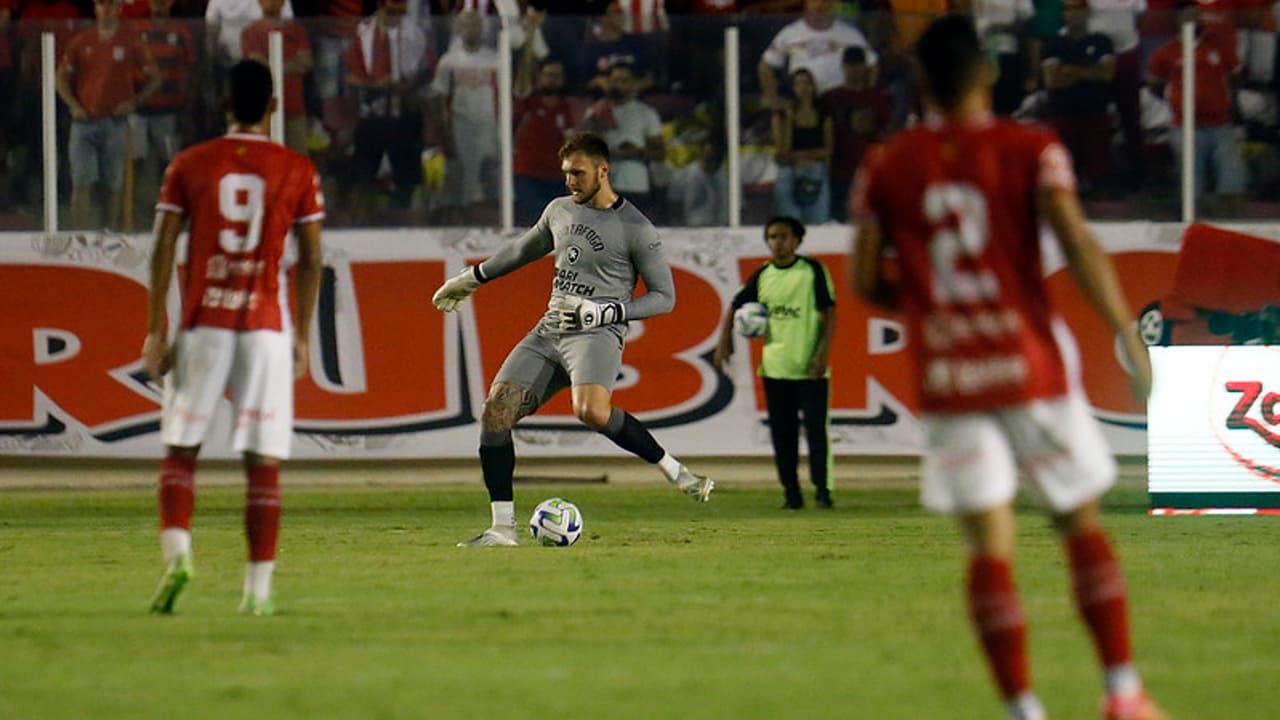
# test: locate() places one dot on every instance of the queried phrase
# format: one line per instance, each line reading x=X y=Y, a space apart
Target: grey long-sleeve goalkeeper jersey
x=599 y=254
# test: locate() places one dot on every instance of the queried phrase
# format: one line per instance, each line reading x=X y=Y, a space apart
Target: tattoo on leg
x=506 y=405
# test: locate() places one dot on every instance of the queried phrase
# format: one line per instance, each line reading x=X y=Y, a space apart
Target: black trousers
x=400 y=138
x=787 y=401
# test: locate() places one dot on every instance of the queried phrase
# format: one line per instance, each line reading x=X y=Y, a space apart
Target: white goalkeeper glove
x=578 y=313
x=456 y=289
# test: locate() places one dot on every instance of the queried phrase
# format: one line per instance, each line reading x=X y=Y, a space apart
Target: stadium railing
x=718 y=165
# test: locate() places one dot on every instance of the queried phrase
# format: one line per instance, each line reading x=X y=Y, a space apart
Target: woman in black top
x=803 y=138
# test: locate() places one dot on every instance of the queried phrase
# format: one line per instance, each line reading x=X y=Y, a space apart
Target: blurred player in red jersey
x=961 y=199
x=240 y=195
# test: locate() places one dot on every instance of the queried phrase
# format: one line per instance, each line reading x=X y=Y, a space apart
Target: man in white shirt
x=815 y=42
x=230 y=17
x=633 y=131
x=467 y=79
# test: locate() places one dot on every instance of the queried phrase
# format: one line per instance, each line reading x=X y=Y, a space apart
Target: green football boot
x=249 y=605
x=176 y=576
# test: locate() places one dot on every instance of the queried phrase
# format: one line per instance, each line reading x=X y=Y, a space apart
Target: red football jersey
x=104 y=69
x=242 y=193
x=958 y=202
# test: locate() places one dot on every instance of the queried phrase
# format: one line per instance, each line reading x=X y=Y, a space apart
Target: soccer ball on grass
x=751 y=320
x=556 y=522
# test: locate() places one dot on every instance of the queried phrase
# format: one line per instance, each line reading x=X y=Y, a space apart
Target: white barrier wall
x=392 y=377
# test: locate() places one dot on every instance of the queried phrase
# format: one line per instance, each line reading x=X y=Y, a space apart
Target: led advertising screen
x=1213 y=430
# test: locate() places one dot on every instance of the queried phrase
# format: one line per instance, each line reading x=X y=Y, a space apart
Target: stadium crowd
x=395 y=100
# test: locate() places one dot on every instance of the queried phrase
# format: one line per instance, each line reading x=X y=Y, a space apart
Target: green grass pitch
x=664 y=609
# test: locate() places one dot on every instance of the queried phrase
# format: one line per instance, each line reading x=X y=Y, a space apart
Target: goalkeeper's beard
x=585 y=198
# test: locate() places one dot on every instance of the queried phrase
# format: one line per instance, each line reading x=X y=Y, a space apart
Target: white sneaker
x=496 y=536
x=695 y=486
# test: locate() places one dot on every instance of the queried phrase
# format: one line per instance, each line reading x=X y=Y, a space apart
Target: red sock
x=176 y=491
x=262 y=512
x=1001 y=626
x=1100 y=595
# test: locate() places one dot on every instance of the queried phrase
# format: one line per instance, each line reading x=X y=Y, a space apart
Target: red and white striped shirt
x=480 y=7
x=644 y=16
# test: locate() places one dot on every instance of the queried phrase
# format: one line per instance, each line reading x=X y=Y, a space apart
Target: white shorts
x=973 y=459
x=256 y=367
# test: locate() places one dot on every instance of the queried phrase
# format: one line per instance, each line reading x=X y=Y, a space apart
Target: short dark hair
x=250 y=91
x=951 y=56
x=623 y=64
x=797 y=227
x=803 y=71
x=590 y=144
x=854 y=55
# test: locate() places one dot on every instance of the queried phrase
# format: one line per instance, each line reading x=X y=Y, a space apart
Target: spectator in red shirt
x=1218 y=16
x=543 y=118
x=861 y=113
x=135 y=9
x=61 y=17
x=36 y=10
x=254 y=43
x=156 y=137
x=1216 y=65
x=97 y=80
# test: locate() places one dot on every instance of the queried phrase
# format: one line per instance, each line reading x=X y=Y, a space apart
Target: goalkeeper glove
x=457 y=288
x=578 y=313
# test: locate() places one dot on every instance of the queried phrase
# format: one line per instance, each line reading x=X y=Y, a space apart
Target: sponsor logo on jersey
x=567 y=282
x=590 y=235
x=947 y=377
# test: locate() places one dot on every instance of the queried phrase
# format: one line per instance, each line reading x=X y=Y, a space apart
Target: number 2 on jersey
x=964 y=205
x=240 y=201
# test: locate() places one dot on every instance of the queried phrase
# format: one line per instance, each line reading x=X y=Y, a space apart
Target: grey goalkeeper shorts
x=546 y=363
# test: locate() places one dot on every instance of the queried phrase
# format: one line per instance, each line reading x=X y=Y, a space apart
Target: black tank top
x=808 y=138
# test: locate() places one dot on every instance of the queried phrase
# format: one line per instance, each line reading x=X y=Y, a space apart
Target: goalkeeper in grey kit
x=602 y=244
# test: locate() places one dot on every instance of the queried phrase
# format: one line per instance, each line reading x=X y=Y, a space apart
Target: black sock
x=627 y=433
x=498 y=461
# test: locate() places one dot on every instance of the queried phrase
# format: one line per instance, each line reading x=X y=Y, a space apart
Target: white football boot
x=496 y=536
x=695 y=486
